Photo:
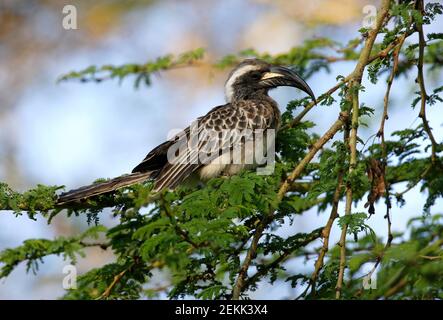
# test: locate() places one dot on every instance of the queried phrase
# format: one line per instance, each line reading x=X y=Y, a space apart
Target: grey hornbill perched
x=248 y=107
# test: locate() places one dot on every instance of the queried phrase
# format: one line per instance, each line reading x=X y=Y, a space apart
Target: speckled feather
x=243 y=114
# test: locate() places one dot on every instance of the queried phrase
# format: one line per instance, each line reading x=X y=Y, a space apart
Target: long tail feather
x=103 y=187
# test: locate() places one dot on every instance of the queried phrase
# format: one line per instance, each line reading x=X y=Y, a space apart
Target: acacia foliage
x=201 y=238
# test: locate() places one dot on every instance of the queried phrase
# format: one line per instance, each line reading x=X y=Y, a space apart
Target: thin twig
x=315 y=148
x=116 y=280
x=310 y=105
x=421 y=82
x=424 y=97
x=327 y=231
x=400 y=279
x=352 y=165
x=396 y=288
x=182 y=233
x=413 y=185
x=101 y=245
x=354 y=83
x=381 y=134
x=431 y=257
x=286 y=254
x=379 y=55
x=385 y=116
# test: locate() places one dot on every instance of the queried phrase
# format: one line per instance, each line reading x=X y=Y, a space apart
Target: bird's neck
x=262 y=97
x=251 y=95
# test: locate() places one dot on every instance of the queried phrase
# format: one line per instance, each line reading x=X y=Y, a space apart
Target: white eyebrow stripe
x=229 y=85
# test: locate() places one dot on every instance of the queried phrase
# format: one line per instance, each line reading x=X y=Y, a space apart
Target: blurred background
x=72 y=133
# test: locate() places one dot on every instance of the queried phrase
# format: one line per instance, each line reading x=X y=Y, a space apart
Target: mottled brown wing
x=244 y=115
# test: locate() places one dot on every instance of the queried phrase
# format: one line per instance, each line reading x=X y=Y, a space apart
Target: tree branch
x=421 y=82
x=327 y=229
x=116 y=280
x=381 y=134
x=314 y=235
x=182 y=233
x=240 y=282
x=354 y=87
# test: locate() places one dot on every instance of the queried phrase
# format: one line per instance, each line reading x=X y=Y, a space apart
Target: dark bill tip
x=290 y=78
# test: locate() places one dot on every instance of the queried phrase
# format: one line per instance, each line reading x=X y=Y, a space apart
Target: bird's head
x=254 y=76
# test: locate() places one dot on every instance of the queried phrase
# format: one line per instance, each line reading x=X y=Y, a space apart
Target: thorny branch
x=394 y=45
x=240 y=282
x=114 y=282
x=401 y=279
x=182 y=233
x=326 y=232
x=285 y=255
x=423 y=100
x=421 y=82
x=381 y=134
x=353 y=89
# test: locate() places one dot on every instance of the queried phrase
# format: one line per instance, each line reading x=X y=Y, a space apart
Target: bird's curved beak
x=281 y=76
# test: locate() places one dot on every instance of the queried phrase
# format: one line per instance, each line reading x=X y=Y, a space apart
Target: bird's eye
x=256 y=75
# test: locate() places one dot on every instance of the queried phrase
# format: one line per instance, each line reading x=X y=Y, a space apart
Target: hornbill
x=248 y=107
